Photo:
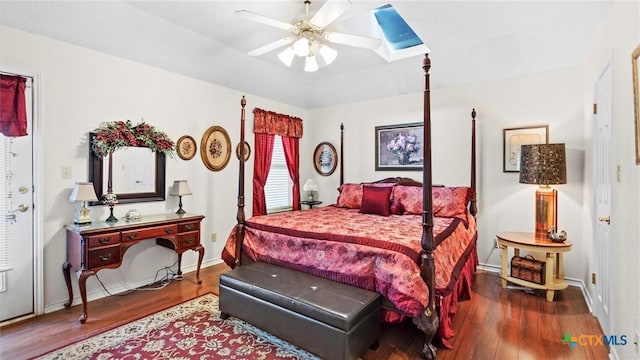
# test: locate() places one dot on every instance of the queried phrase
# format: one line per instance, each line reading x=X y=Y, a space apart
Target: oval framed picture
x=325 y=158
x=215 y=148
x=186 y=147
x=247 y=151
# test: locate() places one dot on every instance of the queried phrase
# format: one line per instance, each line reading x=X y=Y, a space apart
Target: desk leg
x=503 y=267
x=82 y=282
x=200 y=251
x=66 y=271
x=550 y=274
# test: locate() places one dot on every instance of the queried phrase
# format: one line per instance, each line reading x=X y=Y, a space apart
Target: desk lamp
x=179 y=189
x=544 y=165
x=83 y=192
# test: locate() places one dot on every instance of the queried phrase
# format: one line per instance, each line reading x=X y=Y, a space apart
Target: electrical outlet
x=214 y=237
x=65 y=172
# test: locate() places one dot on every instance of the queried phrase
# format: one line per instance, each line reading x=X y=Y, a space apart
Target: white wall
x=80 y=89
x=553 y=98
x=617 y=39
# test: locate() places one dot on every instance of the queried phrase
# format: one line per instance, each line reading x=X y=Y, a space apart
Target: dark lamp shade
x=543 y=164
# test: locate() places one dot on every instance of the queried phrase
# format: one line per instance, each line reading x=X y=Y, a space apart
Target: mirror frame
x=96 y=176
x=316 y=155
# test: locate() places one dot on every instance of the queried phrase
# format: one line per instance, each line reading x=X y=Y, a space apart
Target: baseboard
x=119 y=288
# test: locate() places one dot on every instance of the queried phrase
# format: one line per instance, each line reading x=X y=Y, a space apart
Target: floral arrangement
x=113 y=135
x=403 y=145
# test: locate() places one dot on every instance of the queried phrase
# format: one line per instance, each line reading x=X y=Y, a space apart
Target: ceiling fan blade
x=272 y=46
x=265 y=20
x=330 y=11
x=352 y=40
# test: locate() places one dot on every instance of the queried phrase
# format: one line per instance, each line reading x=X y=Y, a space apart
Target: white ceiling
x=470 y=41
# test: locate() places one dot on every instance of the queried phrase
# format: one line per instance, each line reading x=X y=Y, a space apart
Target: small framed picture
x=399 y=147
x=514 y=138
x=215 y=148
x=186 y=147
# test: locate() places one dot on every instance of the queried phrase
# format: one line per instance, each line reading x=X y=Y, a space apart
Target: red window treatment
x=13 y=106
x=261 y=166
x=266 y=124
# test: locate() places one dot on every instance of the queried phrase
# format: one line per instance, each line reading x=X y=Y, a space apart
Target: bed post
x=473 y=208
x=240 y=214
x=428 y=320
x=341 y=160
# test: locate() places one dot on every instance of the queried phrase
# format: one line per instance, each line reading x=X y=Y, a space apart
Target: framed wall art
x=636 y=98
x=186 y=147
x=247 y=151
x=399 y=147
x=215 y=148
x=514 y=138
x=325 y=158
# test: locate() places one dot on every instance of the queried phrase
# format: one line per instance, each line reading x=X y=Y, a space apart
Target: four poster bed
x=416 y=248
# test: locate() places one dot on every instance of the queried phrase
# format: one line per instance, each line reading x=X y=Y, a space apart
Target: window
x=278 y=189
x=399 y=40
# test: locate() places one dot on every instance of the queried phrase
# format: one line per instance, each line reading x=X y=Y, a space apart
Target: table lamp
x=83 y=192
x=544 y=165
x=179 y=189
x=310 y=186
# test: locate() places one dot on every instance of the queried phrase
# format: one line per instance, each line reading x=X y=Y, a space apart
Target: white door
x=603 y=169
x=16 y=172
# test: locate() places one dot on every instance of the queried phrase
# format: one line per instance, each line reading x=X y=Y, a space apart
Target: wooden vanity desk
x=97 y=246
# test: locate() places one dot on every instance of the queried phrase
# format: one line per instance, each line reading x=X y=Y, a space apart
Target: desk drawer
x=148 y=233
x=189 y=240
x=104 y=256
x=190 y=226
x=103 y=240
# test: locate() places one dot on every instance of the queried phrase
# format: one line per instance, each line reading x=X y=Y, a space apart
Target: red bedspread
x=371 y=251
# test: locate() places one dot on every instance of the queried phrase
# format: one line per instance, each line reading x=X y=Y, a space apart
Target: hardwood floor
x=494 y=324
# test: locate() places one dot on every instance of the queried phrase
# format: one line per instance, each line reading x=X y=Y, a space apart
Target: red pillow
x=350 y=196
x=375 y=200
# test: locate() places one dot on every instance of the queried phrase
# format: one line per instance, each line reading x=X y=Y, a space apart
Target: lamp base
x=111 y=219
x=546 y=210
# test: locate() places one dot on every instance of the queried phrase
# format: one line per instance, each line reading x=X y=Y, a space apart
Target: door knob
x=606 y=219
x=22 y=208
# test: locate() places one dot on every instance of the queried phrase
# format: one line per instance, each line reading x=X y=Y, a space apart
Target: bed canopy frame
x=428 y=321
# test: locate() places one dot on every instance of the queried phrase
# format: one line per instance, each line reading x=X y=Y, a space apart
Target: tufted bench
x=327 y=318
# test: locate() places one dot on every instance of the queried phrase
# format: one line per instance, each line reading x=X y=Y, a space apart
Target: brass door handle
x=606 y=219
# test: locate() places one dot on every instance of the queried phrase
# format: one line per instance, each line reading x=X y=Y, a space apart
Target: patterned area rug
x=191 y=330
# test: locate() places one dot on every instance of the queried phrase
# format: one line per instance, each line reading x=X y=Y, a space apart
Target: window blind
x=278 y=188
x=5 y=202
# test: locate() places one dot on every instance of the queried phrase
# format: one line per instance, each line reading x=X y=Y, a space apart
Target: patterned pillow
x=375 y=200
x=446 y=201
x=350 y=196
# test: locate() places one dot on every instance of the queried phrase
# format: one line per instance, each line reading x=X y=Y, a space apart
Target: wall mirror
x=138 y=174
x=325 y=159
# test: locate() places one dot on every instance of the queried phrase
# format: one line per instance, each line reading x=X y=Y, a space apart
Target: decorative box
x=529 y=269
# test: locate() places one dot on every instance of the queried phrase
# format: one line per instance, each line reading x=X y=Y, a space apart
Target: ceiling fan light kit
x=310 y=36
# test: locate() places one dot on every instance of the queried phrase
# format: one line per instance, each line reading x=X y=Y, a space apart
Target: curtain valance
x=13 y=106
x=269 y=122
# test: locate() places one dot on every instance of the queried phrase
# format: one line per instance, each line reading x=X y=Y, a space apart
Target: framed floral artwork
x=247 y=151
x=514 y=138
x=399 y=147
x=215 y=148
x=186 y=147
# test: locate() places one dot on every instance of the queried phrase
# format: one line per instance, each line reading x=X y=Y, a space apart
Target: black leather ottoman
x=329 y=319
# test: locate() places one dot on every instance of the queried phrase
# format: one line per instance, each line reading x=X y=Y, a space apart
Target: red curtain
x=266 y=124
x=13 y=106
x=261 y=166
x=292 y=156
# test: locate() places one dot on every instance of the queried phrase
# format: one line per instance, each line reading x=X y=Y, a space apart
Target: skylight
x=399 y=39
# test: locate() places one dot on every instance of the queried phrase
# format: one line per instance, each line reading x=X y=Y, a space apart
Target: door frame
x=38 y=181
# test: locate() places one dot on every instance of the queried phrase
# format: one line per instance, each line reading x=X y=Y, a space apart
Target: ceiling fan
x=309 y=37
